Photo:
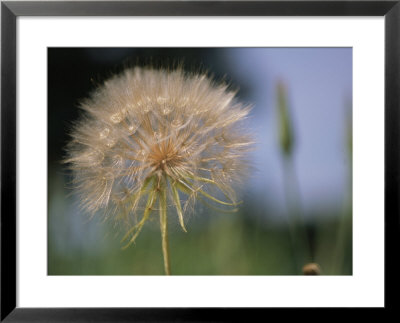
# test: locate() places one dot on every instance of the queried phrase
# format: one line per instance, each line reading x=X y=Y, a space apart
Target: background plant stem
x=297 y=228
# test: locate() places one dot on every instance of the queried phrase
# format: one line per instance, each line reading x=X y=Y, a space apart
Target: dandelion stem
x=164 y=227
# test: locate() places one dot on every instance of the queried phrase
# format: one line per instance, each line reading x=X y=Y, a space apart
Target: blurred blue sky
x=319 y=85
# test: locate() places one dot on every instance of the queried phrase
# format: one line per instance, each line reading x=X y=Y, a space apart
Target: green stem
x=343 y=232
x=164 y=227
x=345 y=221
x=297 y=228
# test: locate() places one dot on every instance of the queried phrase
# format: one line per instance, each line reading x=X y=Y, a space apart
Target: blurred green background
x=297 y=203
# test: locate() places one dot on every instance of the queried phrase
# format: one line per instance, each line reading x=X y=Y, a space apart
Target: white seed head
x=147 y=130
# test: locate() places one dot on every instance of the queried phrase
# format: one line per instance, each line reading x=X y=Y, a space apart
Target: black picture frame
x=9 y=13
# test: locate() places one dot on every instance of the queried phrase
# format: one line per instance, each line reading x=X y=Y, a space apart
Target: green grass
x=220 y=245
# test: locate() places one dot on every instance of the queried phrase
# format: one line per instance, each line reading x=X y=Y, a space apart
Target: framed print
x=197 y=160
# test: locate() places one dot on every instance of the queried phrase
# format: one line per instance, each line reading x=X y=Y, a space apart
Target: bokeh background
x=297 y=206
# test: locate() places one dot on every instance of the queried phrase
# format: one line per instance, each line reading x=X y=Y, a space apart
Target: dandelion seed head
x=147 y=130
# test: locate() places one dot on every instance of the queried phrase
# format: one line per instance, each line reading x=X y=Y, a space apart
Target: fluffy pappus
x=154 y=139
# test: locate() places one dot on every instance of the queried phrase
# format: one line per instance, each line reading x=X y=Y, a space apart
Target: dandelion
x=156 y=141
